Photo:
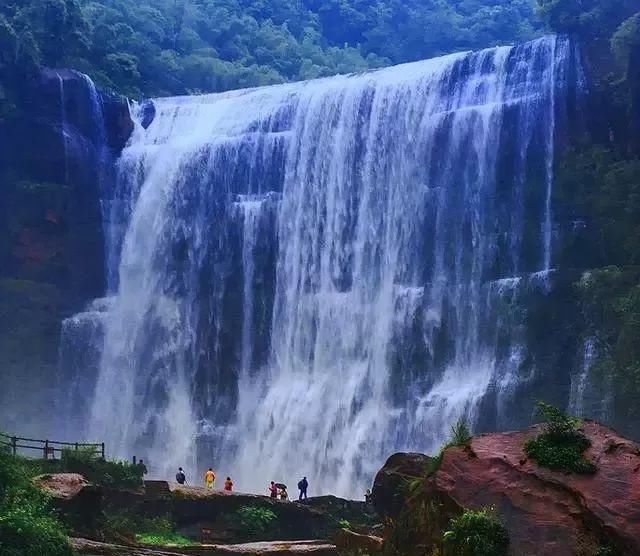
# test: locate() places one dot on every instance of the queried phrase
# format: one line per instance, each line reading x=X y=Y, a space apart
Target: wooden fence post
x=102 y=449
x=46 y=449
x=14 y=445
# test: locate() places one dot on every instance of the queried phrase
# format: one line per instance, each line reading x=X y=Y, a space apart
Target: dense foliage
x=611 y=305
x=598 y=191
x=255 y=520
x=561 y=445
x=186 y=46
x=97 y=470
x=27 y=525
x=476 y=533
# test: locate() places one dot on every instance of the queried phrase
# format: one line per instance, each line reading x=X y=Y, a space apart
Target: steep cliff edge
x=57 y=151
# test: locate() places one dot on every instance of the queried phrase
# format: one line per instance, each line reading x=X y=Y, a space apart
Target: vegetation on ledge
x=27 y=525
x=561 y=445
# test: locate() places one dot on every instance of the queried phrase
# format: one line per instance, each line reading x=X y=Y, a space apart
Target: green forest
x=167 y=47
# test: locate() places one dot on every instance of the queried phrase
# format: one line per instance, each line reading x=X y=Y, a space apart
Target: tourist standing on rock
x=142 y=468
x=181 y=478
x=273 y=490
x=367 y=496
x=303 y=485
x=228 y=484
x=209 y=478
x=283 y=493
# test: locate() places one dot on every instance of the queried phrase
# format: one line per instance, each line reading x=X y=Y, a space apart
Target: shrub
x=100 y=471
x=256 y=520
x=27 y=526
x=561 y=445
x=345 y=523
x=476 y=533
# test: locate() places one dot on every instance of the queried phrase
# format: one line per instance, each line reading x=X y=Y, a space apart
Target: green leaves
x=27 y=526
x=476 y=533
x=561 y=445
x=254 y=519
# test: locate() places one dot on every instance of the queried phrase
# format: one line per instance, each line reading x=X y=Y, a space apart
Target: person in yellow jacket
x=209 y=478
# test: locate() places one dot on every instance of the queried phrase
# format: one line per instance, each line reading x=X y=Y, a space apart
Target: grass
x=460 y=435
x=163 y=539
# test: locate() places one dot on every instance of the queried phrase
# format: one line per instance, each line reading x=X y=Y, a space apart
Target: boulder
x=545 y=512
x=79 y=501
x=390 y=482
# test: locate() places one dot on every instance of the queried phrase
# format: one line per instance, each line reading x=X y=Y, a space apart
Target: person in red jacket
x=273 y=490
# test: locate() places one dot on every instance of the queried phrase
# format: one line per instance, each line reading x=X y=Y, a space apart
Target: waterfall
x=311 y=276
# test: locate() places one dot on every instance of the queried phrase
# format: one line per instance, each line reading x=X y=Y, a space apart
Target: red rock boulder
x=545 y=512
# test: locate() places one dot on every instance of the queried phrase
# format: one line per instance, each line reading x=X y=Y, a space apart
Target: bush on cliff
x=561 y=445
x=256 y=520
x=476 y=533
x=99 y=471
x=27 y=526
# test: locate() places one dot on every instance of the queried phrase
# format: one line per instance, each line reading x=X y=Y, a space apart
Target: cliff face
x=57 y=151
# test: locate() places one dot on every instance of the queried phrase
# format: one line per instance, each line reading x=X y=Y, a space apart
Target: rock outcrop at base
x=361 y=516
x=277 y=548
x=78 y=500
x=194 y=509
x=545 y=512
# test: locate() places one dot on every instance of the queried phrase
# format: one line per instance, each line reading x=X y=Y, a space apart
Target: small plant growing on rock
x=476 y=533
x=561 y=445
x=345 y=523
x=256 y=520
x=460 y=433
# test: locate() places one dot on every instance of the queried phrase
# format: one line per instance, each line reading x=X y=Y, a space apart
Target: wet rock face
x=545 y=512
x=56 y=149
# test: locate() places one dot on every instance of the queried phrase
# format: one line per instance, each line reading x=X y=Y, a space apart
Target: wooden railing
x=47 y=447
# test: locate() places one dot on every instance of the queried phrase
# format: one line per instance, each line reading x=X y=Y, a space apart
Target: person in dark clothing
x=181 y=478
x=303 y=485
x=142 y=467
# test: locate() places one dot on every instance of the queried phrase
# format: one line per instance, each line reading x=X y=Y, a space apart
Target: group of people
x=209 y=479
x=276 y=490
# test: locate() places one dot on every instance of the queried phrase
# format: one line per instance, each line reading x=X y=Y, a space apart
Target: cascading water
x=313 y=275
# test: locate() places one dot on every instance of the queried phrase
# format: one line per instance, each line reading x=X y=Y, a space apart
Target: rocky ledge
x=277 y=548
x=545 y=512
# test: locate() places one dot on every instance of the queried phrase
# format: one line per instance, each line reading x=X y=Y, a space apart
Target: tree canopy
x=160 y=47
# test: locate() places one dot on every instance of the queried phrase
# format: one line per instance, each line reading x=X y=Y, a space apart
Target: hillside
x=168 y=47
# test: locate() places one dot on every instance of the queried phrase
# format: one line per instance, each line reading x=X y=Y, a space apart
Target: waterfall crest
x=311 y=276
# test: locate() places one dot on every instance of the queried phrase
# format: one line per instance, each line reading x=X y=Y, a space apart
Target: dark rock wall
x=57 y=149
